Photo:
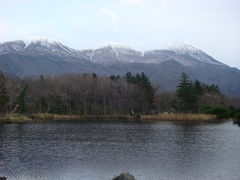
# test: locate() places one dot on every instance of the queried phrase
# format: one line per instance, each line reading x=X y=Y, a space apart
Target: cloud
x=111 y=13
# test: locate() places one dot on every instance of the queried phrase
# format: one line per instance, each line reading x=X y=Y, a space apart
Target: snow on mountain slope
x=44 y=41
x=39 y=45
x=41 y=56
x=109 y=54
x=160 y=56
x=50 y=45
x=186 y=55
x=181 y=48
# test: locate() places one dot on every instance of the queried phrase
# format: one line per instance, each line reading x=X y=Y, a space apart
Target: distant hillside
x=34 y=57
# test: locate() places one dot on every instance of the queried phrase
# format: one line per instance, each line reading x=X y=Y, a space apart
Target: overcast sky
x=211 y=25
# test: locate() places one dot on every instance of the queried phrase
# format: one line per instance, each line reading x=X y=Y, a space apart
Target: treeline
x=223 y=112
x=77 y=94
x=189 y=94
x=198 y=97
x=89 y=94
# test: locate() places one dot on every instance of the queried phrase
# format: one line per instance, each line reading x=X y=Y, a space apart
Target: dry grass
x=17 y=118
x=178 y=117
x=45 y=116
x=114 y=117
x=41 y=116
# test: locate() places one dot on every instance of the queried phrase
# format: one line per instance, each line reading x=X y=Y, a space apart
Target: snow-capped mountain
x=112 y=54
x=43 y=41
x=44 y=56
x=181 y=48
x=38 y=45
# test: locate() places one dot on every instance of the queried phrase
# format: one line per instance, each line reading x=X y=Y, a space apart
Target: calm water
x=100 y=151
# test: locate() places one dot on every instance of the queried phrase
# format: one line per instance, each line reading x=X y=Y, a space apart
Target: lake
x=77 y=150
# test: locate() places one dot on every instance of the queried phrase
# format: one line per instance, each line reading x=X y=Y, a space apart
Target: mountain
x=186 y=55
x=38 y=46
x=113 y=54
x=44 y=56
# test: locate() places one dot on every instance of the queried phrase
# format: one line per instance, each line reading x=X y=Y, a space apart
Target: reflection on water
x=99 y=151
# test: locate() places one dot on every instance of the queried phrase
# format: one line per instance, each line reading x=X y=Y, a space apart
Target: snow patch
x=70 y=51
x=182 y=48
x=93 y=52
x=44 y=41
x=114 y=50
x=117 y=46
x=49 y=43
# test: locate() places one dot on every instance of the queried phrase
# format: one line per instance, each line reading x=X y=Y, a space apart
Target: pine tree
x=21 y=100
x=3 y=95
x=94 y=75
x=148 y=90
x=129 y=77
x=186 y=94
x=143 y=82
x=198 y=87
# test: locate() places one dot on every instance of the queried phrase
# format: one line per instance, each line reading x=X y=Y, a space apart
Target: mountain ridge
x=117 y=51
x=163 y=66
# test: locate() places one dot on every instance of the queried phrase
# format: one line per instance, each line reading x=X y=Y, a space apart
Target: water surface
x=100 y=151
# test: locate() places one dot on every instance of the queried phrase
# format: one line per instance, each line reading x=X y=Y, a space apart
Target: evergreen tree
x=129 y=77
x=148 y=90
x=3 y=95
x=115 y=78
x=112 y=77
x=186 y=94
x=213 y=89
x=143 y=82
x=198 y=87
x=21 y=100
x=118 y=77
x=94 y=75
x=41 y=78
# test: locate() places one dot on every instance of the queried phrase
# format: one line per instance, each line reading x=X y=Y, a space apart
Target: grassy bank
x=178 y=117
x=42 y=116
x=17 y=118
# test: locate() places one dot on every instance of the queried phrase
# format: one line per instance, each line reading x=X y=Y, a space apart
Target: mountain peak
x=117 y=46
x=44 y=41
x=186 y=49
x=183 y=47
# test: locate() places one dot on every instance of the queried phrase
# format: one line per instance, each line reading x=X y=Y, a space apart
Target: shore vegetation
x=127 y=97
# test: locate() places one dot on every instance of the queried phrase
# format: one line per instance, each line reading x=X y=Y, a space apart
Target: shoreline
x=44 y=117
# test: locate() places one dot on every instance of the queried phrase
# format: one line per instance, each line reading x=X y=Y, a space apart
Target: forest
x=90 y=94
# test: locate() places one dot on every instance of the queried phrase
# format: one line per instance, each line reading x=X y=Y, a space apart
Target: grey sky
x=211 y=25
